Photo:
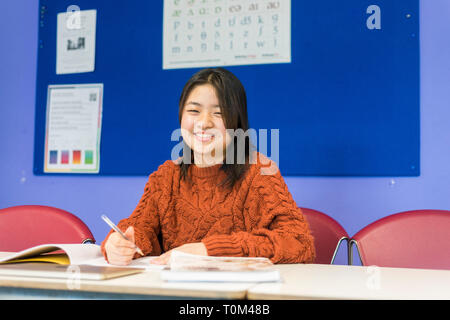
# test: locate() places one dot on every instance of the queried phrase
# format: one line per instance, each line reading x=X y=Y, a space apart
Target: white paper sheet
x=226 y=32
x=143 y=262
x=76 y=33
x=73 y=128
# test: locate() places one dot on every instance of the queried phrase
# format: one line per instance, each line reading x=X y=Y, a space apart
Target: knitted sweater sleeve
x=276 y=228
x=145 y=217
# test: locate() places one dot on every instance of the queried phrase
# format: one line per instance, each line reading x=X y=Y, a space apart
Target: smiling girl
x=202 y=204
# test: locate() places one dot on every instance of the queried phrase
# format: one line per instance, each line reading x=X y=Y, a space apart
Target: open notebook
x=54 y=260
x=55 y=253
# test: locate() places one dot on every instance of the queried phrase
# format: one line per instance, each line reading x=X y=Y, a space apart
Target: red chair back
x=410 y=239
x=22 y=227
x=327 y=232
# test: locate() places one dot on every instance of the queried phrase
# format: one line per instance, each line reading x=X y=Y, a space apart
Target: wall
x=354 y=202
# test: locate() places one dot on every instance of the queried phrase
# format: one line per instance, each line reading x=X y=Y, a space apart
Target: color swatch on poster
x=88 y=157
x=76 y=157
x=53 y=156
x=64 y=157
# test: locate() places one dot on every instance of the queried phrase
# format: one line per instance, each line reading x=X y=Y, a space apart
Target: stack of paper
x=190 y=267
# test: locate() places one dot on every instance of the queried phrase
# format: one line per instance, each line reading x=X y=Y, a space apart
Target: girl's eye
x=193 y=111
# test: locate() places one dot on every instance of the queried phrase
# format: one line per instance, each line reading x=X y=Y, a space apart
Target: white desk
x=310 y=281
x=315 y=281
x=145 y=285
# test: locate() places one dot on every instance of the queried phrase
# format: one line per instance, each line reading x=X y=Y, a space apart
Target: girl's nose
x=204 y=121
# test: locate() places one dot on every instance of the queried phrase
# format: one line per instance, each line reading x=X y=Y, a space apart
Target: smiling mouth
x=203 y=137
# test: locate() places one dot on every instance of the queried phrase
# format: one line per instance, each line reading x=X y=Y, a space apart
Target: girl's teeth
x=203 y=136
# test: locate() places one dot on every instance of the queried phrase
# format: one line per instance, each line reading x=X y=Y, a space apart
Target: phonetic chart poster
x=204 y=33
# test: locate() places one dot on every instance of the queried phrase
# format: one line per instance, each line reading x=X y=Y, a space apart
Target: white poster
x=204 y=33
x=75 y=49
x=73 y=128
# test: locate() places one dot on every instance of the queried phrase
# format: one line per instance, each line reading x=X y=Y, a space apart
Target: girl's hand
x=118 y=250
x=192 y=248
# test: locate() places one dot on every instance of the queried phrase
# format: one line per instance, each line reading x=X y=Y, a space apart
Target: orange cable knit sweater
x=256 y=218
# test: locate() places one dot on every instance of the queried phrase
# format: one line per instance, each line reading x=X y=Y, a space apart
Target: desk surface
x=300 y=281
x=316 y=281
x=147 y=283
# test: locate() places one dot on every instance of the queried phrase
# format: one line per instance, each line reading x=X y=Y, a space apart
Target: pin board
x=343 y=100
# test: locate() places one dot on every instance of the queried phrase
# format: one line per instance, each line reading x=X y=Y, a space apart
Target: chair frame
x=352 y=242
x=337 y=248
x=88 y=241
x=338 y=245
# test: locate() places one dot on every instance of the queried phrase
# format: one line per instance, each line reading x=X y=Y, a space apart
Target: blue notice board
x=346 y=105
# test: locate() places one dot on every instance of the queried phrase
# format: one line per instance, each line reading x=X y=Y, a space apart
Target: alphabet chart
x=204 y=33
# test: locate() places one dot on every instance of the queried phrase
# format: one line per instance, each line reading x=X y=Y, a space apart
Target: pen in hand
x=115 y=228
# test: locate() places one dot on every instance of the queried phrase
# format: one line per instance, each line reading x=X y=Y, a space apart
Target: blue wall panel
x=347 y=105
